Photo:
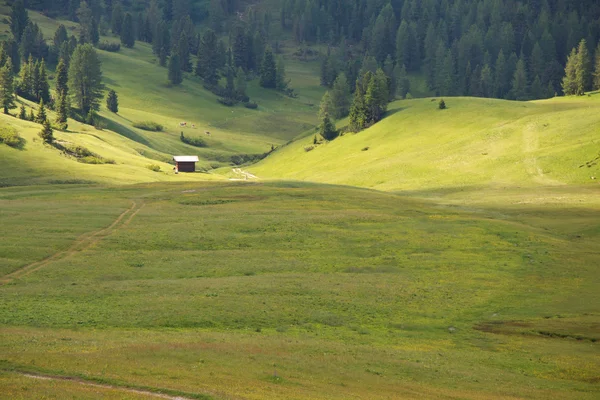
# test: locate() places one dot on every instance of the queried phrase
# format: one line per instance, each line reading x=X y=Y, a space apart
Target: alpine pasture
x=446 y=254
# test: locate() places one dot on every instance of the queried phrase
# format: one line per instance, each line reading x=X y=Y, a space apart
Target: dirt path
x=82 y=243
x=530 y=146
x=245 y=175
x=104 y=386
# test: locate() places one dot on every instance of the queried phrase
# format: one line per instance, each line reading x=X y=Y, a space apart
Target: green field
x=474 y=143
x=438 y=254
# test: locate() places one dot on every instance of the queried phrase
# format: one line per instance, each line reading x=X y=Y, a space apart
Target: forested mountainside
x=462 y=47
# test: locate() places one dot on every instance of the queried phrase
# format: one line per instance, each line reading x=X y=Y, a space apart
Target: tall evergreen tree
x=85 y=78
x=340 y=97
x=326 y=106
x=376 y=97
x=42 y=87
x=281 y=82
x=116 y=20
x=402 y=82
x=240 y=82
x=358 y=109
x=62 y=77
x=583 y=69
x=22 y=112
x=127 y=31
x=6 y=87
x=175 y=75
x=183 y=51
x=41 y=116
x=327 y=128
x=569 y=82
x=520 y=82
x=208 y=58
x=88 y=26
x=47 y=134
x=19 y=18
x=62 y=111
x=268 y=71
x=112 y=101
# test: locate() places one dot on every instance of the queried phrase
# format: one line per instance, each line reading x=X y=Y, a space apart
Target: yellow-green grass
x=35 y=162
x=295 y=291
x=475 y=142
x=144 y=94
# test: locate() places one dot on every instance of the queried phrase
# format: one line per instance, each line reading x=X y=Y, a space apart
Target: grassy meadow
x=438 y=254
x=296 y=291
x=473 y=143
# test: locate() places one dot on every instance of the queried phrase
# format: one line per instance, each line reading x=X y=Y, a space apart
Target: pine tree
x=281 y=82
x=183 y=51
x=358 y=110
x=268 y=71
x=88 y=25
x=536 y=88
x=6 y=87
x=500 y=76
x=47 y=134
x=597 y=69
x=41 y=116
x=127 y=32
x=175 y=75
x=62 y=77
x=569 y=83
x=31 y=116
x=520 y=82
x=116 y=20
x=486 y=81
x=22 y=112
x=42 y=85
x=327 y=128
x=340 y=97
x=112 y=101
x=27 y=85
x=18 y=19
x=442 y=104
x=376 y=97
x=326 y=106
x=62 y=111
x=85 y=78
x=240 y=82
x=208 y=58
x=583 y=69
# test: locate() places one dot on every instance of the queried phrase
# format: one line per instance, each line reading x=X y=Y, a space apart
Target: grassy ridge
x=306 y=291
x=473 y=142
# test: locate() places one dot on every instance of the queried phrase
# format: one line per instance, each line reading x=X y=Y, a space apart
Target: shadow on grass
x=123 y=130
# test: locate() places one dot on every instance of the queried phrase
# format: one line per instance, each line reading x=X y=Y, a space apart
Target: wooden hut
x=185 y=163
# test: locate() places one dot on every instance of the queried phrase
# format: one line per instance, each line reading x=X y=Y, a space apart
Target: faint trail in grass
x=530 y=146
x=84 y=242
x=105 y=386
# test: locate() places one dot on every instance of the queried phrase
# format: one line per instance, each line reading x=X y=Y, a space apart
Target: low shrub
x=193 y=141
x=107 y=46
x=95 y=159
x=226 y=102
x=251 y=105
x=309 y=148
x=82 y=154
x=153 y=167
x=149 y=126
x=10 y=137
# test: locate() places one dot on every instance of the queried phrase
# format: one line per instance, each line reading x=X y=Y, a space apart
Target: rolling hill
x=475 y=142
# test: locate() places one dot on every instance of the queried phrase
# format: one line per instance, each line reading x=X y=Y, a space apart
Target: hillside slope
x=472 y=143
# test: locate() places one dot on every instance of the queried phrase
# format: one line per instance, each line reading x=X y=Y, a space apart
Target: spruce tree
x=18 y=19
x=442 y=104
x=569 y=82
x=376 y=97
x=537 y=91
x=229 y=83
x=42 y=85
x=116 y=20
x=327 y=128
x=583 y=69
x=175 y=75
x=6 y=87
x=22 y=112
x=183 y=51
x=268 y=72
x=112 y=101
x=358 y=110
x=47 y=134
x=340 y=97
x=208 y=58
x=88 y=28
x=520 y=82
x=127 y=32
x=62 y=77
x=85 y=78
x=41 y=116
x=31 y=116
x=281 y=82
x=402 y=83
x=326 y=106
x=62 y=111
x=240 y=82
